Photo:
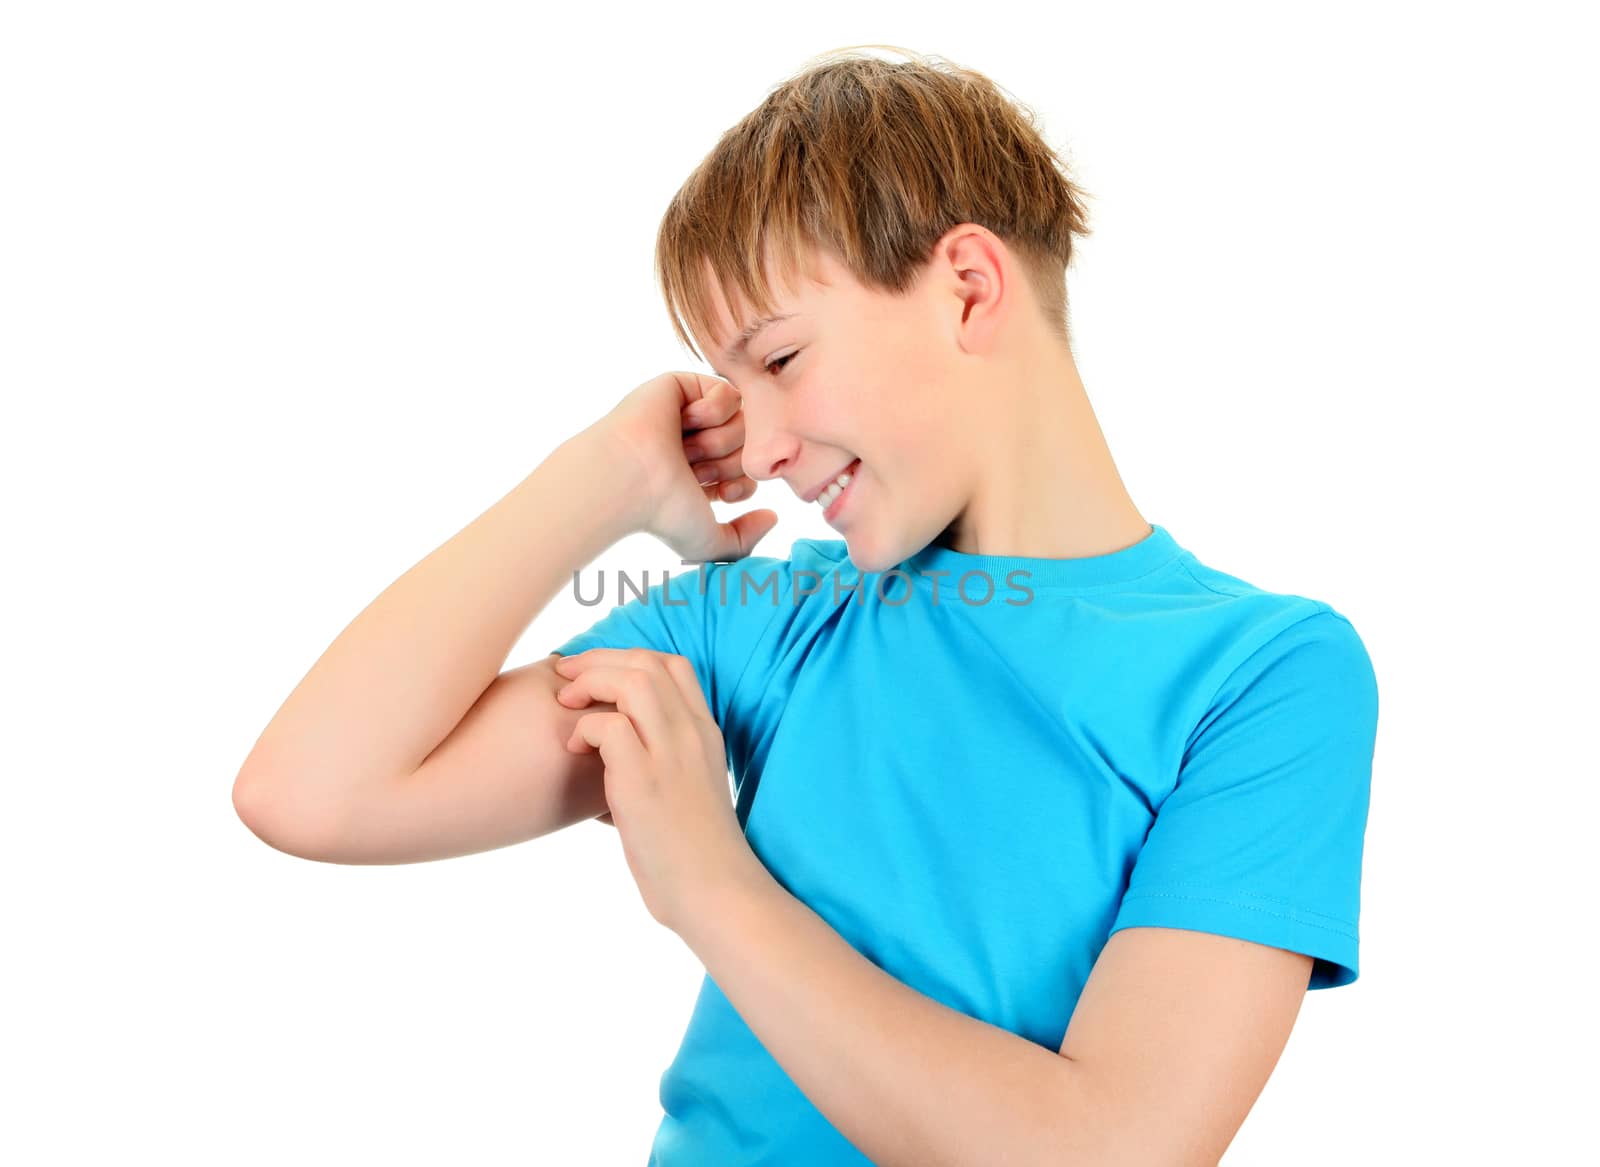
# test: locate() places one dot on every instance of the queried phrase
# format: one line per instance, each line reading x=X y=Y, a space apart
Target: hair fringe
x=872 y=161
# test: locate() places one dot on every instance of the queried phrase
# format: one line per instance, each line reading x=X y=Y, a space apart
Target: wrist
x=609 y=482
x=744 y=890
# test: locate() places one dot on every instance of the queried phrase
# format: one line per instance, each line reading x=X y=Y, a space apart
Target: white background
x=292 y=292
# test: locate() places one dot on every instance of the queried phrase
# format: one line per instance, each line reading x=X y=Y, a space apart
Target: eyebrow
x=736 y=350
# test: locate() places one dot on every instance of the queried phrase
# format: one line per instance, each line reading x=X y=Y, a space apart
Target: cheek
x=918 y=431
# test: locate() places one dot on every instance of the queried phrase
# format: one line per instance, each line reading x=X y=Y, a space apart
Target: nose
x=769 y=448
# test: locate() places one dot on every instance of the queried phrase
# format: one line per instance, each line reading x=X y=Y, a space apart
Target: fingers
x=730 y=491
x=613 y=737
x=653 y=688
x=638 y=687
x=729 y=469
x=717 y=457
x=715 y=406
x=716 y=441
x=688 y=683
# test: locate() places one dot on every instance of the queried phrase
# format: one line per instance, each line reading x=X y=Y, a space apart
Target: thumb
x=738 y=537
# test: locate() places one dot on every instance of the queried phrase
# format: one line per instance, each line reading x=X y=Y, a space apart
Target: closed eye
x=780 y=363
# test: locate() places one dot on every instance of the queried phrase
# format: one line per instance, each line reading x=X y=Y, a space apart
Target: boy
x=1042 y=827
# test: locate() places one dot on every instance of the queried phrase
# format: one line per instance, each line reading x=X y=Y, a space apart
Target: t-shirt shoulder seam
x=1248 y=590
x=1318 y=606
x=1203 y=583
x=1321 y=608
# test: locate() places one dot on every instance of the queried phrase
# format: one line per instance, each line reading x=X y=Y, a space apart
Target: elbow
x=1073 y=1126
x=1092 y=1121
x=280 y=821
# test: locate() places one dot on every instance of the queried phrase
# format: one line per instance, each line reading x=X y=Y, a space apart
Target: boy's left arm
x=1171 y=1041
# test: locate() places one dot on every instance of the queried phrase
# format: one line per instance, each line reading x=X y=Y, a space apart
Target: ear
x=977 y=271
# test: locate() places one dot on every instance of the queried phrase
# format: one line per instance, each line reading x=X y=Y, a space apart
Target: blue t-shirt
x=976 y=768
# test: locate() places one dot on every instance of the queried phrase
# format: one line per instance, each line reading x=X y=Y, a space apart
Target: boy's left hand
x=666 y=776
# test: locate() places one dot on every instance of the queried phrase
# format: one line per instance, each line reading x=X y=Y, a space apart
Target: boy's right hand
x=680 y=428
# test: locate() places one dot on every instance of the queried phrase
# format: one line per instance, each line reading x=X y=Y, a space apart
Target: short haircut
x=872 y=161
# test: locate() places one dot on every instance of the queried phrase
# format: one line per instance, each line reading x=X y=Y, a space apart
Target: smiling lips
x=816 y=492
x=830 y=493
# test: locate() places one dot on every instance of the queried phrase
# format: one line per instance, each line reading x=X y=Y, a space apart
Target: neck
x=1047 y=486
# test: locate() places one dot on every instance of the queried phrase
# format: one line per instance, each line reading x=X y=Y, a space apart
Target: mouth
x=833 y=497
x=814 y=495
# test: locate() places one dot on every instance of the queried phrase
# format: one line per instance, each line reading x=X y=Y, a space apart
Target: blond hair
x=872 y=161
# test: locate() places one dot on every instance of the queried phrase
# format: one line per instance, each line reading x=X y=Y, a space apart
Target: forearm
x=906 y=1079
x=402 y=674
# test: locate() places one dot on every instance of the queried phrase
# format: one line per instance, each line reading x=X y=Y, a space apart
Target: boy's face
x=873 y=379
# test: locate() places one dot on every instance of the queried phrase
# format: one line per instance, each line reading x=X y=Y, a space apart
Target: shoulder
x=1307 y=689
x=821 y=555
x=1261 y=618
x=1287 y=641
x=777 y=577
x=805 y=553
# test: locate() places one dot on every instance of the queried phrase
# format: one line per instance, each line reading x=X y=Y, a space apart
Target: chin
x=860 y=561
x=867 y=556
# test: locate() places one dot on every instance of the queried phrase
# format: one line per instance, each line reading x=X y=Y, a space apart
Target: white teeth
x=832 y=491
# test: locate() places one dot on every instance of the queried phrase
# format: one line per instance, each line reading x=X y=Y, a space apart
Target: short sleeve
x=669 y=616
x=711 y=614
x=1261 y=837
